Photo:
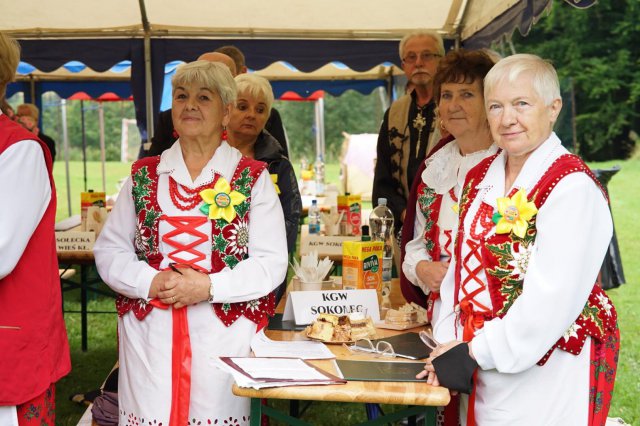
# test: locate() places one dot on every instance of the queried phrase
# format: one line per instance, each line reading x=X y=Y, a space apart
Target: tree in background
x=598 y=49
x=351 y=112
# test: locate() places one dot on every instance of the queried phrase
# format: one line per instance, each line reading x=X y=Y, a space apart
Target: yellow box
x=362 y=264
x=90 y=199
x=351 y=206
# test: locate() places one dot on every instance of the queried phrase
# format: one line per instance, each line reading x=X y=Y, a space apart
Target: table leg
x=83 y=306
x=256 y=412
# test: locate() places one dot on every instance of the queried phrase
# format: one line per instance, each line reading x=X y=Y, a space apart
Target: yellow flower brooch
x=514 y=214
x=219 y=201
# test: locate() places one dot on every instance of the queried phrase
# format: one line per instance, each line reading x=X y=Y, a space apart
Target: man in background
x=28 y=116
x=409 y=129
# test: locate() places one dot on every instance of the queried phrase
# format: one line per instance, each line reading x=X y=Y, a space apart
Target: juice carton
x=90 y=199
x=351 y=205
x=362 y=265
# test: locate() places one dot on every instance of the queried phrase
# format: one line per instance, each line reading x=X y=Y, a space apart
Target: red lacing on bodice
x=472 y=312
x=186 y=225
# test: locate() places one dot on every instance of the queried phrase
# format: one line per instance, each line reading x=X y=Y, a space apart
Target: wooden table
x=84 y=259
x=420 y=397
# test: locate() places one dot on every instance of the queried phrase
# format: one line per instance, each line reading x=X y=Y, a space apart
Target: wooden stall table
x=420 y=397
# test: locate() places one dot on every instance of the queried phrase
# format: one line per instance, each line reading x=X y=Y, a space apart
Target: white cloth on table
x=574 y=229
x=145 y=346
x=25 y=190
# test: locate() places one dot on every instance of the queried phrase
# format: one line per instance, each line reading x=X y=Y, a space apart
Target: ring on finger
x=173 y=299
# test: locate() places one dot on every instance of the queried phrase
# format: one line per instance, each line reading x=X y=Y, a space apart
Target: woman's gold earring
x=442 y=125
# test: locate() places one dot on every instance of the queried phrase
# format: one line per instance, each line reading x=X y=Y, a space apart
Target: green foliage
x=114 y=112
x=351 y=112
x=596 y=49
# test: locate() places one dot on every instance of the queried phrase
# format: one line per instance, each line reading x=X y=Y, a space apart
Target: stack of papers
x=262 y=346
x=258 y=373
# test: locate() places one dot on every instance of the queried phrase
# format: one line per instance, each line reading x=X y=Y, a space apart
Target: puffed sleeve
x=290 y=199
x=415 y=252
x=574 y=229
x=266 y=266
x=114 y=252
x=26 y=191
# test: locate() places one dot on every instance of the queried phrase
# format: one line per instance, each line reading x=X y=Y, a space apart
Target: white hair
x=422 y=33
x=215 y=76
x=543 y=76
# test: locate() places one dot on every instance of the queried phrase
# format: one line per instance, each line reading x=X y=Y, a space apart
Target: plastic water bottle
x=319 y=172
x=381 y=224
x=314 y=218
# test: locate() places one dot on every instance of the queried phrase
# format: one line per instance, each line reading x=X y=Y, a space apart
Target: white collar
x=537 y=163
x=447 y=167
x=223 y=162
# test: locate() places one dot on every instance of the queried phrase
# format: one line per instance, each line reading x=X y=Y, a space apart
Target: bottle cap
x=365 y=233
x=382 y=201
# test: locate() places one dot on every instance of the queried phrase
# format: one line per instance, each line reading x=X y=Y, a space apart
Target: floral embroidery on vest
x=506 y=258
x=229 y=240
x=429 y=203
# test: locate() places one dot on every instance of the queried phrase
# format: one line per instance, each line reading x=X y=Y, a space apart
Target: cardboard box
x=362 y=265
x=351 y=221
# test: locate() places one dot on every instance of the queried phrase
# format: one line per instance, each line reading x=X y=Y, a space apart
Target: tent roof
x=353 y=19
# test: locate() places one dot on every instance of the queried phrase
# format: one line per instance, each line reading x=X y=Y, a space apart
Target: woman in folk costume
x=194 y=246
x=34 y=352
x=529 y=335
x=458 y=90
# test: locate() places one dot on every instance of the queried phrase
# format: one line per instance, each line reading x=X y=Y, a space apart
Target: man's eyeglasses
x=411 y=58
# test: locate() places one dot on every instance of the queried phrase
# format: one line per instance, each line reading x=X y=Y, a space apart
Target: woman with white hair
x=529 y=334
x=246 y=133
x=194 y=246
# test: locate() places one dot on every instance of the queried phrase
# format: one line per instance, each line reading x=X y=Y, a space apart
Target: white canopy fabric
x=351 y=19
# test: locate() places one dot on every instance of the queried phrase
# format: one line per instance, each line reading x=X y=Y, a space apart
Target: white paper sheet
x=262 y=346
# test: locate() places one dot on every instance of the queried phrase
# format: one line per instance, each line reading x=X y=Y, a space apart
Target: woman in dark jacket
x=246 y=133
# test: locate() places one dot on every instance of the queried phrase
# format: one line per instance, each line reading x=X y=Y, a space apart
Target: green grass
x=90 y=368
x=114 y=172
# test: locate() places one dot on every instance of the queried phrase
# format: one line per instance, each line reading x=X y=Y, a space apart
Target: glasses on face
x=411 y=58
x=381 y=348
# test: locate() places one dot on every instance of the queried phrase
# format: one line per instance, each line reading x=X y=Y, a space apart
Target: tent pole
x=84 y=145
x=102 y=150
x=319 y=107
x=148 y=85
x=65 y=142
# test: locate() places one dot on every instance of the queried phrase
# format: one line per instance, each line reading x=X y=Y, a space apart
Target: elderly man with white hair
x=524 y=328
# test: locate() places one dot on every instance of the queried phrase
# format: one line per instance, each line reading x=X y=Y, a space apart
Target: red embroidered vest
x=224 y=253
x=34 y=351
x=429 y=203
x=598 y=316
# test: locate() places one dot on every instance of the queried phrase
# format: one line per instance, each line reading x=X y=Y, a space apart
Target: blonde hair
x=215 y=76
x=34 y=112
x=9 y=59
x=256 y=86
x=422 y=33
x=541 y=73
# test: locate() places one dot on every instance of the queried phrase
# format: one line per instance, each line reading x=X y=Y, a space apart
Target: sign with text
x=324 y=245
x=75 y=241
x=304 y=306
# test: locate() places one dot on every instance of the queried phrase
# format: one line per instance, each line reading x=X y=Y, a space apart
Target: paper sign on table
x=304 y=306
